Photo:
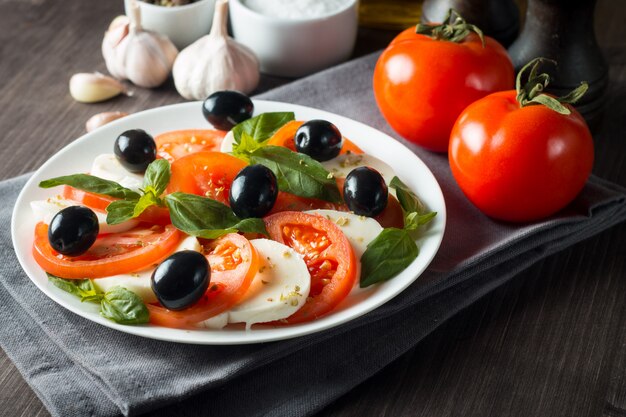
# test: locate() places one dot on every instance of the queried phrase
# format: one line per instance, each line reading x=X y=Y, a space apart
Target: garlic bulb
x=215 y=62
x=101 y=119
x=141 y=56
x=94 y=87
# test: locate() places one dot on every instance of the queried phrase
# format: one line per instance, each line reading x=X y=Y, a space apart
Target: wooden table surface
x=552 y=342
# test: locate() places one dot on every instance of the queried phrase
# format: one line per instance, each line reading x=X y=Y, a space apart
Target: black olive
x=253 y=192
x=365 y=192
x=319 y=139
x=225 y=109
x=135 y=149
x=73 y=230
x=181 y=280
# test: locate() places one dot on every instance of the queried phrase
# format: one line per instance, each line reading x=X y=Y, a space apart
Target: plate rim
x=225 y=337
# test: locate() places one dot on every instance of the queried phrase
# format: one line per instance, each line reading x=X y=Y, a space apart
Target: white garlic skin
x=215 y=62
x=100 y=119
x=94 y=87
x=141 y=56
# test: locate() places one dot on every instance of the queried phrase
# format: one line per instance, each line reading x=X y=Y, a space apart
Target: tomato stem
x=453 y=29
x=531 y=93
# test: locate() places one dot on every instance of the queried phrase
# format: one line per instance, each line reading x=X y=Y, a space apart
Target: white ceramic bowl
x=182 y=24
x=296 y=47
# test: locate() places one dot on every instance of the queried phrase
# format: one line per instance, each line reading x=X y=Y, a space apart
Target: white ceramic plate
x=78 y=155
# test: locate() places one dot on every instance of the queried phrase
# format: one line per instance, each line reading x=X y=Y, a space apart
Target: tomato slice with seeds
x=285 y=137
x=152 y=215
x=111 y=254
x=208 y=174
x=234 y=263
x=327 y=254
x=179 y=143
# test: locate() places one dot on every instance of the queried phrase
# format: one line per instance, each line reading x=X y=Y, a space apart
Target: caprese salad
x=265 y=219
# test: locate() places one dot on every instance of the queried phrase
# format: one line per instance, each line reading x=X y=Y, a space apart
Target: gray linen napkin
x=79 y=368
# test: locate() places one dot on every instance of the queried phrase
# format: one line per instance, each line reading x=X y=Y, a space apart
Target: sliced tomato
x=392 y=215
x=209 y=174
x=152 y=215
x=286 y=134
x=179 y=143
x=112 y=254
x=234 y=263
x=327 y=254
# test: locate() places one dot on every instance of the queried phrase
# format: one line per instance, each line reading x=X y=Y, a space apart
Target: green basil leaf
x=91 y=184
x=124 y=307
x=157 y=176
x=387 y=255
x=263 y=126
x=413 y=220
x=246 y=146
x=298 y=173
x=82 y=288
x=147 y=200
x=120 y=211
x=207 y=218
x=407 y=198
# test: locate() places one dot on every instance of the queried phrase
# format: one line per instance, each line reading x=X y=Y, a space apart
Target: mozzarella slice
x=107 y=166
x=139 y=282
x=45 y=210
x=359 y=230
x=277 y=291
x=227 y=142
x=341 y=166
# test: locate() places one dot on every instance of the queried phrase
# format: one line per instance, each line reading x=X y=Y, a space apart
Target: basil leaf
x=298 y=173
x=82 y=288
x=246 y=146
x=157 y=177
x=120 y=211
x=123 y=307
x=207 y=218
x=263 y=126
x=407 y=198
x=391 y=252
x=91 y=184
x=146 y=200
x=413 y=220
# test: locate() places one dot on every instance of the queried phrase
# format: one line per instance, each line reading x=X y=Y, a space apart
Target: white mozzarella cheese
x=343 y=164
x=139 y=282
x=277 y=291
x=227 y=142
x=45 y=210
x=359 y=230
x=107 y=166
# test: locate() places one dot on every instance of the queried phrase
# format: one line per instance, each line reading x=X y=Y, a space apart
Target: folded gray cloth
x=79 y=368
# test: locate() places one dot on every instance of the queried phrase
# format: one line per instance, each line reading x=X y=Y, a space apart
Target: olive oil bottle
x=389 y=14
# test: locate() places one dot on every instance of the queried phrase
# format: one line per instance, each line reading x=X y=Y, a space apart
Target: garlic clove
x=101 y=119
x=132 y=53
x=121 y=20
x=95 y=87
x=215 y=62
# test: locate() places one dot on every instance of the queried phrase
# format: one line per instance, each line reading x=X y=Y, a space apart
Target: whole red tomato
x=422 y=84
x=520 y=163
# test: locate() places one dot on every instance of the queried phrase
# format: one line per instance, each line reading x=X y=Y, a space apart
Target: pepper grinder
x=496 y=18
x=562 y=30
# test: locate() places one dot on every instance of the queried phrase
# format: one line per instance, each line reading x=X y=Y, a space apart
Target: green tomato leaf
x=81 y=288
x=207 y=218
x=387 y=255
x=263 y=126
x=91 y=184
x=298 y=173
x=157 y=177
x=124 y=307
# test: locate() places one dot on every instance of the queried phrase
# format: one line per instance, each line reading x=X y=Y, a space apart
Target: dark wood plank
x=550 y=343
